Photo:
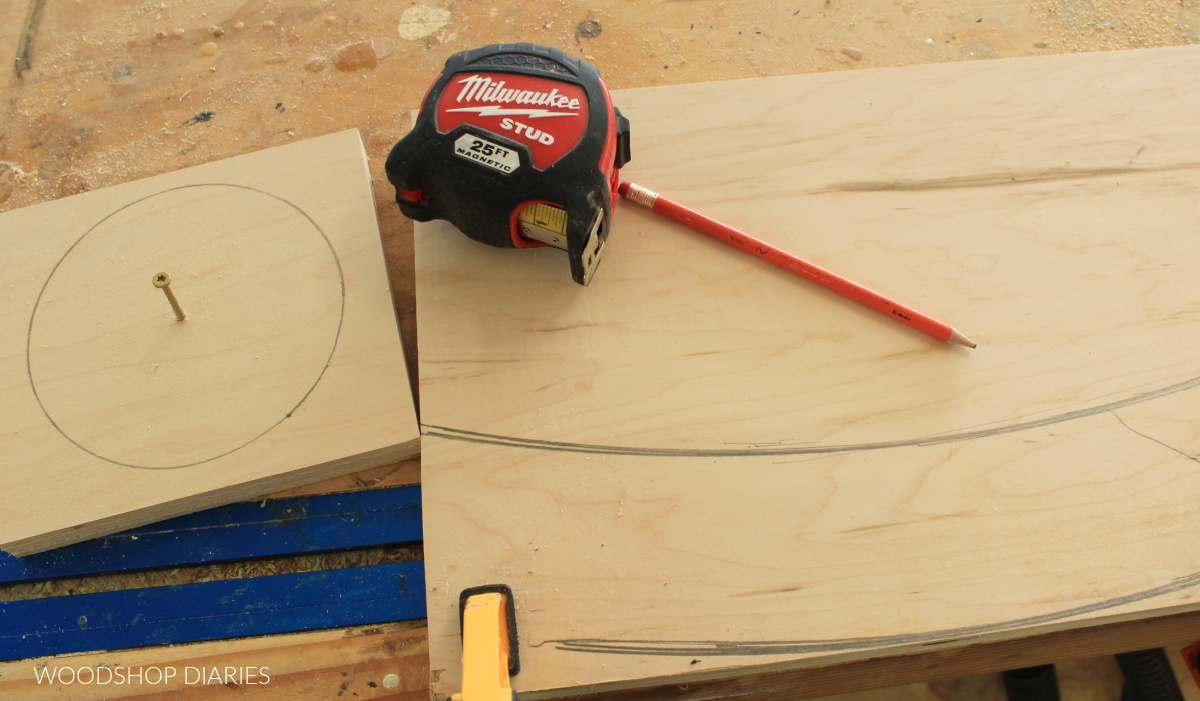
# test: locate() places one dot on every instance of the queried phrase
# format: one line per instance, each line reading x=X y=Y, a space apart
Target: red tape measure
x=517 y=145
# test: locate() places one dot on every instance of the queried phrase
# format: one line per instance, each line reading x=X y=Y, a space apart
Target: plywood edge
x=398 y=474
x=1050 y=60
x=237 y=492
x=815 y=677
x=369 y=184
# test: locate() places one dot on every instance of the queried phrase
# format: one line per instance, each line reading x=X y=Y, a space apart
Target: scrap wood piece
x=287 y=369
x=385 y=660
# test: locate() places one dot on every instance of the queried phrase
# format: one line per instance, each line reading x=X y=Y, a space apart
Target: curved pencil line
x=600 y=449
x=728 y=648
x=719 y=648
x=33 y=317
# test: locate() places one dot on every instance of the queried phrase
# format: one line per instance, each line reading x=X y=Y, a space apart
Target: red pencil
x=787 y=261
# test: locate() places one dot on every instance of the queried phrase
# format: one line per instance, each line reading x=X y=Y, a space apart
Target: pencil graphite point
x=957 y=337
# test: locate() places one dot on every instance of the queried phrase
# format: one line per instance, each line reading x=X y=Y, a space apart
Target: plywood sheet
x=701 y=465
x=288 y=368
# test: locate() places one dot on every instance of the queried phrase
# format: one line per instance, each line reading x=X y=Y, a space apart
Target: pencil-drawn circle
x=122 y=379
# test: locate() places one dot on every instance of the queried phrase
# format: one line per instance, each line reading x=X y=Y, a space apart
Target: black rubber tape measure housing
x=510 y=125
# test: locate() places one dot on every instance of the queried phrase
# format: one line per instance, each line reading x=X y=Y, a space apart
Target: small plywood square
x=701 y=466
x=288 y=367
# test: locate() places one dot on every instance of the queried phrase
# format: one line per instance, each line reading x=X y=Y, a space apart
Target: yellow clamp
x=489 y=642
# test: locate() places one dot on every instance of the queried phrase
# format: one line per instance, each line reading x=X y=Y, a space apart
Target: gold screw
x=163 y=282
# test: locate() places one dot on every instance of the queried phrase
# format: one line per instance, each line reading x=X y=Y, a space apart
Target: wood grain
x=107 y=93
x=700 y=465
x=792 y=682
x=404 y=473
x=324 y=664
x=288 y=369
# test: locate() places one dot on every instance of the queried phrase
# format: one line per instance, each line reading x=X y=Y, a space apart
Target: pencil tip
x=957 y=337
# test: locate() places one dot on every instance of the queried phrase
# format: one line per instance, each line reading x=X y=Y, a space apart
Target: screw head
x=162 y=280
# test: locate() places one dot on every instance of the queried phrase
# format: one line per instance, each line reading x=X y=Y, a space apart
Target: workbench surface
x=102 y=93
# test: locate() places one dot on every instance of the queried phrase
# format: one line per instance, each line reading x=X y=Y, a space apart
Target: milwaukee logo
x=513 y=107
x=477 y=88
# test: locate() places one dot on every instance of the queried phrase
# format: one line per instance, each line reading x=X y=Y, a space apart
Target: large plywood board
x=701 y=465
x=288 y=368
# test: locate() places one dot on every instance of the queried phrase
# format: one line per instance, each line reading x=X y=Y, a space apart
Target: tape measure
x=517 y=145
